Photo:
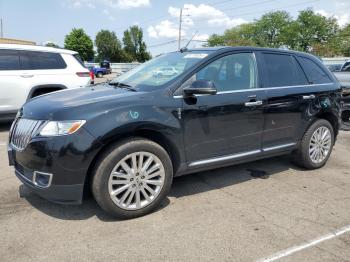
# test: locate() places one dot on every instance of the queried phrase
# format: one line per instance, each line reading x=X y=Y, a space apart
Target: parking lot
x=222 y=215
x=105 y=78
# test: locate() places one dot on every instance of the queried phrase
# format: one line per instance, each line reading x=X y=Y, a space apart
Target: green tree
x=79 y=41
x=216 y=40
x=51 y=44
x=314 y=29
x=343 y=39
x=109 y=46
x=273 y=29
x=237 y=36
x=134 y=46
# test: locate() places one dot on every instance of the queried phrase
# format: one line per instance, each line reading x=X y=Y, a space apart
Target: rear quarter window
x=314 y=72
x=282 y=70
x=9 y=60
x=32 y=60
x=80 y=61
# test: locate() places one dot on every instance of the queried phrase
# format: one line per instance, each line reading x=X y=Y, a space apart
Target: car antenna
x=184 y=49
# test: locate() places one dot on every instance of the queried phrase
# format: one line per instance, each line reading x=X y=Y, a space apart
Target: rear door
x=10 y=81
x=228 y=125
x=42 y=68
x=290 y=94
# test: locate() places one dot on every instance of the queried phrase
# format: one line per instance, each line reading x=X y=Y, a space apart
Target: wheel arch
x=149 y=134
x=52 y=87
x=332 y=118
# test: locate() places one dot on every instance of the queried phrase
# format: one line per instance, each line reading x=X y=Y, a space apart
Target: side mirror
x=200 y=87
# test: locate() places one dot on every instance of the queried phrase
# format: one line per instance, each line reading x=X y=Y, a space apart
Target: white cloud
x=132 y=3
x=343 y=19
x=91 y=6
x=191 y=15
x=166 y=29
x=201 y=37
x=203 y=12
x=122 y=4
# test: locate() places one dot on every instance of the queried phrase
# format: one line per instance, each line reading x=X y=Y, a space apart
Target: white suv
x=29 y=71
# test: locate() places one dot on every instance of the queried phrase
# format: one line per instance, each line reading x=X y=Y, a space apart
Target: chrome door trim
x=234 y=156
x=223 y=158
x=266 y=149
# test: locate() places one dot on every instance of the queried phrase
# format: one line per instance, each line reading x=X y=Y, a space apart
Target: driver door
x=226 y=126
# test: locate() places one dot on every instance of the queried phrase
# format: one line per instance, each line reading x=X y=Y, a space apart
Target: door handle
x=27 y=76
x=309 y=97
x=255 y=103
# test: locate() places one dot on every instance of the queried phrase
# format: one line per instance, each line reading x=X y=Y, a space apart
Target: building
x=16 y=41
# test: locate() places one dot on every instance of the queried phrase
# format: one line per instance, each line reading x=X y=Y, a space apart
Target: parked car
x=98 y=71
x=343 y=74
x=128 y=138
x=106 y=65
x=29 y=71
x=346 y=108
x=334 y=67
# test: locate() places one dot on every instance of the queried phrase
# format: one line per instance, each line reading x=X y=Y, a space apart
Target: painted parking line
x=3 y=144
x=305 y=245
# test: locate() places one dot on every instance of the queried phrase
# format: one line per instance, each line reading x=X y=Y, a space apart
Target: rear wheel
x=132 y=178
x=99 y=74
x=316 y=145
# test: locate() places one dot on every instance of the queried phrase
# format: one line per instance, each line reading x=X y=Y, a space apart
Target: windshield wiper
x=122 y=85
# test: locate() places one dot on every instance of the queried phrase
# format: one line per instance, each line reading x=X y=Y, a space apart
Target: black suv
x=179 y=113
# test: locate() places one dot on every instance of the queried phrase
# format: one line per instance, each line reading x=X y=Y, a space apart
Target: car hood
x=79 y=103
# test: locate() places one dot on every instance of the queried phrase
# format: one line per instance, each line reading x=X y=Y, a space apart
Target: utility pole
x=1 y=29
x=180 y=23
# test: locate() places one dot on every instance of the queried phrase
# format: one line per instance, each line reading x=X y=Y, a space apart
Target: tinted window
x=314 y=72
x=9 y=60
x=78 y=58
x=283 y=70
x=31 y=60
x=232 y=72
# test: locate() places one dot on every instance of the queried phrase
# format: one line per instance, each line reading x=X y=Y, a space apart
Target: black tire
x=99 y=74
x=109 y=159
x=301 y=156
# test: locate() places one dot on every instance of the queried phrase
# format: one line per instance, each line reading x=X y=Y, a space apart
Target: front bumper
x=65 y=158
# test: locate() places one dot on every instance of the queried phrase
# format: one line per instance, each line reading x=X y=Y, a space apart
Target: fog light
x=41 y=179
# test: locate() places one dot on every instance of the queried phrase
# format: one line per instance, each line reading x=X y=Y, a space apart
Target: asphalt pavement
x=289 y=214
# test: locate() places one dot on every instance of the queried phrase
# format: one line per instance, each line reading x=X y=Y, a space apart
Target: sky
x=51 y=20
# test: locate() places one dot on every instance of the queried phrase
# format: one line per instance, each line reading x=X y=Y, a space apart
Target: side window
x=31 y=60
x=9 y=60
x=232 y=72
x=283 y=70
x=314 y=72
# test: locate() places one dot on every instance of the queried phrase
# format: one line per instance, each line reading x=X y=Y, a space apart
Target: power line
x=164 y=43
x=265 y=11
x=282 y=7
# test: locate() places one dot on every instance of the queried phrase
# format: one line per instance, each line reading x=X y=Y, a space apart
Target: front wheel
x=132 y=178
x=316 y=145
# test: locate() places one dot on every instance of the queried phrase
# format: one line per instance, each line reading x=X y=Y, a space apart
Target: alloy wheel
x=136 y=180
x=320 y=144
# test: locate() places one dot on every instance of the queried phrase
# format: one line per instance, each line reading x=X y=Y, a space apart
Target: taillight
x=83 y=74
x=92 y=75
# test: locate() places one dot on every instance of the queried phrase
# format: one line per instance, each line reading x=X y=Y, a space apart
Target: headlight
x=59 y=128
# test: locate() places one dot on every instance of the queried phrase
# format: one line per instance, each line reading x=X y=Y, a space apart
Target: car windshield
x=160 y=70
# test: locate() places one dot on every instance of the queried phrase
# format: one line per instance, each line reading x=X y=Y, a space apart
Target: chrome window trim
x=256 y=89
x=234 y=156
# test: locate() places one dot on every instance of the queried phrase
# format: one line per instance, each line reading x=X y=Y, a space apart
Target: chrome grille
x=23 y=131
